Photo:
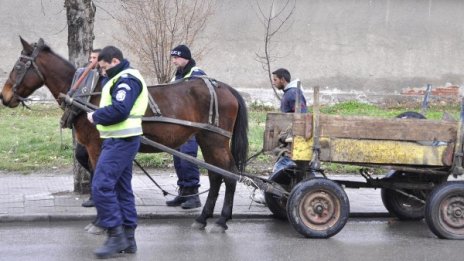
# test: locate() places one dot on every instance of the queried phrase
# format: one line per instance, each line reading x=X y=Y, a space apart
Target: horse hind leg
x=221 y=224
x=216 y=151
x=215 y=181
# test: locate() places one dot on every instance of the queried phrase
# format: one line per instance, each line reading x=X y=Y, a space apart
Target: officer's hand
x=89 y=117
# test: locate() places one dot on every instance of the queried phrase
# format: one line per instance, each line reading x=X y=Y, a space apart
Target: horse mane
x=48 y=49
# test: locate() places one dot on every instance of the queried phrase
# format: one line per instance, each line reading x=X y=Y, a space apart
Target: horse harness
x=213 y=118
x=22 y=68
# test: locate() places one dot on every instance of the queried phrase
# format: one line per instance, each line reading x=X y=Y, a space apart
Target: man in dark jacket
x=281 y=80
x=188 y=174
x=80 y=151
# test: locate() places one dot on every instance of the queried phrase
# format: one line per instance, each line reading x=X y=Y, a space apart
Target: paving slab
x=50 y=196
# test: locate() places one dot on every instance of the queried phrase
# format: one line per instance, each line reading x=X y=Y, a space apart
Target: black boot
x=89 y=203
x=130 y=235
x=178 y=200
x=192 y=201
x=115 y=243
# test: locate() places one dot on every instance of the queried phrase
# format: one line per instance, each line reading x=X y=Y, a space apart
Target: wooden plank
x=361 y=127
x=275 y=124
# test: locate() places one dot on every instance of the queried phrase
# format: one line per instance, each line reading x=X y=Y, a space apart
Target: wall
x=353 y=48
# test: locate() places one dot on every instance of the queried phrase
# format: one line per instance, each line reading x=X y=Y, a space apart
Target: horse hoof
x=198 y=225
x=215 y=228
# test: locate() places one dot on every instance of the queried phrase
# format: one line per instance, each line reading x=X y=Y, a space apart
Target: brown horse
x=188 y=100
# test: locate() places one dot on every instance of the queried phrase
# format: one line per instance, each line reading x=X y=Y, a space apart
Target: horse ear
x=26 y=46
x=40 y=42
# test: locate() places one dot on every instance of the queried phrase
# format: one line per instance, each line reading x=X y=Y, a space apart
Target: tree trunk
x=80 y=15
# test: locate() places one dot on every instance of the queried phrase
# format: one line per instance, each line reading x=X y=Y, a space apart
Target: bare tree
x=154 y=27
x=273 y=20
x=80 y=16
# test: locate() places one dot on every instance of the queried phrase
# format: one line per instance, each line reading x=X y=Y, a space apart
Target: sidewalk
x=50 y=197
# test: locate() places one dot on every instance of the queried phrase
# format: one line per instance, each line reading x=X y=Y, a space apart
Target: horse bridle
x=23 y=67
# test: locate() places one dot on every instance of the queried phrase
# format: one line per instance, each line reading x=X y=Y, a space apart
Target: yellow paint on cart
x=302 y=149
x=370 y=151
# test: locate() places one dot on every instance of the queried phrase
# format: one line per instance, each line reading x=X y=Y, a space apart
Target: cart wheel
x=444 y=210
x=402 y=206
x=278 y=205
x=318 y=208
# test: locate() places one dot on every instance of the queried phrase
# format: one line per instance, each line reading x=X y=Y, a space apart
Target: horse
x=187 y=100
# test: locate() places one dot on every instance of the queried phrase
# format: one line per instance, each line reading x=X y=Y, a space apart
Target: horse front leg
x=226 y=213
x=215 y=181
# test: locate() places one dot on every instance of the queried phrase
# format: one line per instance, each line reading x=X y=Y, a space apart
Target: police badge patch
x=121 y=95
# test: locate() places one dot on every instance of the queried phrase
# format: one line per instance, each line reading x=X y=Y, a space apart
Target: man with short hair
x=124 y=100
x=80 y=151
x=188 y=174
x=281 y=80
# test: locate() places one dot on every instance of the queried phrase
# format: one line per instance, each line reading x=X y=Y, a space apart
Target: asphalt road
x=246 y=239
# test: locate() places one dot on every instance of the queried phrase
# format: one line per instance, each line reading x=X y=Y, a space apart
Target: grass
x=355 y=108
x=32 y=140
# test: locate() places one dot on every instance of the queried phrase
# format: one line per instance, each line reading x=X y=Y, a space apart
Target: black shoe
x=193 y=201
x=130 y=235
x=115 y=243
x=88 y=204
x=178 y=200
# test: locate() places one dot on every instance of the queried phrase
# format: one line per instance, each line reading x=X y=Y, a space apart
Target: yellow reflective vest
x=194 y=68
x=132 y=126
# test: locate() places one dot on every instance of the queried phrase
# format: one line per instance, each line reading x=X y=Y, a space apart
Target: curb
x=155 y=216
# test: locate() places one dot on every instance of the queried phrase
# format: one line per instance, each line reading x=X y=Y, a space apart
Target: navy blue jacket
x=287 y=104
x=123 y=95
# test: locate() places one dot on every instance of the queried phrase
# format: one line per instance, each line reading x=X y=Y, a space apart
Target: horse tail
x=239 y=143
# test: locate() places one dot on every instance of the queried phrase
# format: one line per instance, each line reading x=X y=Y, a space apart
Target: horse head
x=25 y=77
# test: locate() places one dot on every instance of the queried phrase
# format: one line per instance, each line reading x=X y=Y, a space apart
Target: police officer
x=123 y=102
x=188 y=175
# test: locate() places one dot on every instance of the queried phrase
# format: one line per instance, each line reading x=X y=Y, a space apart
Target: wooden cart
x=420 y=154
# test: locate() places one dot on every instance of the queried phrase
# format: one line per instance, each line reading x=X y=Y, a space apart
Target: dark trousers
x=111 y=186
x=188 y=174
